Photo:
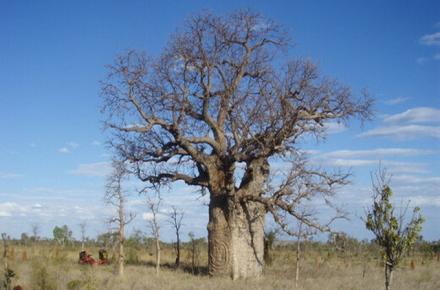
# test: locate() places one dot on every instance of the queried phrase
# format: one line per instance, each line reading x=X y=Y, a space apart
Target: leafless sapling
x=175 y=219
x=82 y=227
x=117 y=197
x=153 y=206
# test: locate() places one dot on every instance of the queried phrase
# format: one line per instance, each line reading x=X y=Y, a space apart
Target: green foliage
x=87 y=279
x=107 y=240
x=25 y=239
x=342 y=243
x=74 y=285
x=86 y=282
x=132 y=256
x=41 y=279
x=394 y=238
x=196 y=245
x=139 y=240
x=7 y=279
x=62 y=235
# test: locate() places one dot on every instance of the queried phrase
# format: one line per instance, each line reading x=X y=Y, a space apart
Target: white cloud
x=422 y=60
x=8 y=209
x=148 y=216
x=405 y=167
x=432 y=180
x=405 y=125
x=393 y=166
x=96 y=143
x=409 y=184
x=72 y=144
x=334 y=127
x=404 y=132
x=430 y=39
x=92 y=169
x=416 y=115
x=397 y=101
x=37 y=206
x=68 y=148
x=379 y=152
x=9 y=175
x=340 y=162
x=423 y=200
x=64 y=150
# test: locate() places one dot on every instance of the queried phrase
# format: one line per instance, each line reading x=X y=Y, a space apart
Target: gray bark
x=298 y=251
x=121 y=236
x=236 y=239
x=388 y=276
x=215 y=98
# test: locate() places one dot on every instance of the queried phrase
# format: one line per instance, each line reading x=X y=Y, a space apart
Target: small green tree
x=62 y=235
x=392 y=235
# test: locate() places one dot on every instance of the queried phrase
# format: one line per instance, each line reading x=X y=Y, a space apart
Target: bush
x=41 y=278
x=74 y=285
x=132 y=257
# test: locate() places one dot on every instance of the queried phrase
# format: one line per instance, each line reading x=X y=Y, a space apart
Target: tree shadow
x=184 y=267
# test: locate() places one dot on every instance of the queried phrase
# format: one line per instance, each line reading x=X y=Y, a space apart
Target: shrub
x=41 y=278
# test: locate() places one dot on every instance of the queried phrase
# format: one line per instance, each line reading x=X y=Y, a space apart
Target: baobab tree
x=117 y=197
x=222 y=99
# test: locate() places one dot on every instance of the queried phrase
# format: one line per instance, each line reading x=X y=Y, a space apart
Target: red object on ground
x=87 y=259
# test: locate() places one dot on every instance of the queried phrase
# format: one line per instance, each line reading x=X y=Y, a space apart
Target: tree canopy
x=224 y=96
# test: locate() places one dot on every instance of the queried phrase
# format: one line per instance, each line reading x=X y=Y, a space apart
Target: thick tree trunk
x=236 y=238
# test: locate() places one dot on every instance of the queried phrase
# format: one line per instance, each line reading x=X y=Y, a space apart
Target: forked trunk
x=388 y=276
x=236 y=238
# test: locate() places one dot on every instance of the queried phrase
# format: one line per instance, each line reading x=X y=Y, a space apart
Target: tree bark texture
x=177 y=252
x=236 y=238
x=388 y=276
x=157 y=255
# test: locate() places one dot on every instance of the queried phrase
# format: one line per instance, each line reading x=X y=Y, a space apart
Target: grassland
x=48 y=267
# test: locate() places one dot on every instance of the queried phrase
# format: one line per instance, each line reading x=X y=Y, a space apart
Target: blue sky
x=53 y=54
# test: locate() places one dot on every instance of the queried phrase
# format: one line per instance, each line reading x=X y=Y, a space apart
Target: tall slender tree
x=82 y=227
x=223 y=98
x=117 y=197
x=175 y=219
x=153 y=206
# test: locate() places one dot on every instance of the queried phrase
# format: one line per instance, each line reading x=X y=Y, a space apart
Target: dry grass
x=318 y=272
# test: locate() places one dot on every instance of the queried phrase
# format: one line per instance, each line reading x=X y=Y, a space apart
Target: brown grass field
x=47 y=267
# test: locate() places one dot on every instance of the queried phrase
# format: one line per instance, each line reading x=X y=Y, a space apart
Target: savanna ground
x=52 y=267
